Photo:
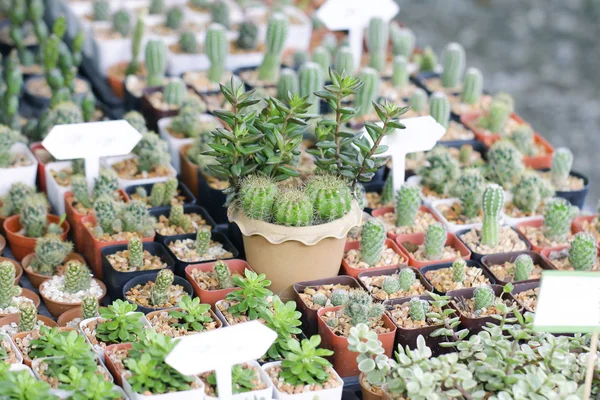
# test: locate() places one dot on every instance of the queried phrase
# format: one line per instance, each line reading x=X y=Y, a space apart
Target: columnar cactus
x=248 y=35
x=523 y=139
x=178 y=218
x=220 y=13
x=407 y=278
x=472 y=87
x=400 y=72
x=34 y=216
x=530 y=192
x=287 y=84
x=339 y=297
x=459 y=269
x=427 y=60
x=418 y=309
x=322 y=58
x=27 y=316
x=293 y=208
x=454 y=65
x=360 y=308
x=583 y=252
x=203 y=241
x=439 y=108
x=319 y=299
x=469 y=189
x=174 y=18
x=136 y=45
x=216 y=48
x=156 y=62
x=387 y=192
x=310 y=78
x=493 y=201
x=9 y=100
x=188 y=43
x=372 y=241
x=8 y=289
x=101 y=10
x=505 y=164
x=223 y=275
x=331 y=197
x=391 y=284
x=418 y=100
x=277 y=29
x=435 y=240
x=562 y=161
x=408 y=201
x=368 y=92
x=257 y=196
x=170 y=190
x=136 y=120
x=8 y=138
x=440 y=171
x=523 y=267
x=89 y=307
x=299 y=58
x=159 y=293
x=174 y=92
x=77 y=277
x=135 y=248
x=484 y=297
x=403 y=41
x=344 y=60
x=122 y=22
x=157 y=195
x=377 y=43
x=50 y=252
x=557 y=219
x=498 y=115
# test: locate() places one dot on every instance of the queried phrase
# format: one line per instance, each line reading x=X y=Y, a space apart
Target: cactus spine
x=557 y=219
x=293 y=208
x=472 y=87
x=459 y=269
x=391 y=284
x=418 y=309
x=223 y=274
x=454 y=65
x=523 y=139
x=484 y=297
x=159 y=293
x=418 y=100
x=174 y=92
x=89 y=307
x=583 y=252
x=156 y=62
x=372 y=241
x=203 y=241
x=310 y=79
x=377 y=42
x=8 y=289
x=403 y=41
x=331 y=197
x=400 y=72
x=34 y=216
x=408 y=201
x=523 y=267
x=435 y=240
x=344 y=60
x=407 y=278
x=257 y=196
x=216 y=49
x=562 y=161
x=277 y=29
x=135 y=248
x=368 y=92
x=493 y=201
x=439 y=108
x=287 y=84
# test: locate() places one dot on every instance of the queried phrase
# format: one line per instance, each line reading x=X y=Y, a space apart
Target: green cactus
x=391 y=284
x=106 y=213
x=387 y=192
x=333 y=322
x=418 y=100
x=159 y=293
x=89 y=307
x=135 y=248
x=106 y=183
x=377 y=43
x=66 y=113
x=27 y=316
x=157 y=195
x=248 y=36
x=220 y=13
x=77 y=277
x=50 y=252
x=493 y=201
x=505 y=165
x=174 y=18
x=293 y=208
x=188 y=43
x=339 y=297
x=101 y=10
x=178 y=218
x=557 y=219
x=360 y=308
x=310 y=79
x=174 y=92
x=368 y=92
x=156 y=62
x=469 y=189
x=257 y=197
x=136 y=44
x=400 y=73
x=8 y=289
x=439 y=108
x=80 y=190
x=583 y=252
x=418 y=309
x=427 y=60
x=435 y=240
x=287 y=84
x=223 y=274
x=156 y=7
x=530 y=192
x=344 y=61
x=459 y=269
x=203 y=241
x=277 y=29
x=331 y=197
x=202 y=4
x=484 y=297
x=8 y=138
x=498 y=115
x=322 y=57
x=440 y=171
x=13 y=200
x=299 y=58
x=152 y=152
x=121 y=21
x=403 y=41
x=216 y=47
x=136 y=120
x=319 y=299
x=88 y=107
x=372 y=241
x=34 y=216
x=9 y=100
x=523 y=139
x=407 y=278
x=562 y=161
x=523 y=267
x=472 y=87
x=454 y=65
x=408 y=201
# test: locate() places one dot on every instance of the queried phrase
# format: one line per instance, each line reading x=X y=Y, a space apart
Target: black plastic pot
x=499 y=259
x=116 y=280
x=478 y=256
x=215 y=236
x=189 y=198
x=575 y=197
x=187 y=209
x=470 y=263
x=151 y=277
x=212 y=200
x=37 y=102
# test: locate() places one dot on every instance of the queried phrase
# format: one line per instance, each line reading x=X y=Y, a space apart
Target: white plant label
x=354 y=16
x=221 y=349
x=91 y=141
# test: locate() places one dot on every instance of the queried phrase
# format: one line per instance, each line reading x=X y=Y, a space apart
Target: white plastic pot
x=193 y=394
x=21 y=367
x=124 y=183
x=4 y=336
x=26 y=174
x=56 y=193
x=265 y=393
x=327 y=394
x=415 y=180
x=452 y=228
x=298 y=36
x=109 y=52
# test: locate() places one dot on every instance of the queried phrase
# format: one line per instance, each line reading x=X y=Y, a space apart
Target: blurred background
x=546 y=53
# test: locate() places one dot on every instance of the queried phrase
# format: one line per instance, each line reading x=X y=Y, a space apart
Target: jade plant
x=305 y=363
x=27 y=317
x=12 y=201
x=372 y=241
x=119 y=323
x=277 y=30
x=558 y=214
x=523 y=267
x=493 y=201
x=403 y=40
x=50 y=252
x=530 y=192
x=8 y=289
x=472 y=87
x=192 y=315
x=505 y=165
x=252 y=297
x=562 y=161
x=435 y=240
x=159 y=293
x=469 y=189
x=285 y=320
x=440 y=170
x=583 y=252
x=453 y=62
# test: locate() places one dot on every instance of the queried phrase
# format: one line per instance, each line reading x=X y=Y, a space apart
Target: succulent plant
x=562 y=161
x=377 y=43
x=418 y=100
x=459 y=269
x=472 y=87
x=188 y=43
x=257 y=197
x=427 y=60
x=174 y=18
x=156 y=62
x=14 y=198
x=523 y=139
x=454 y=65
x=368 y=92
x=136 y=120
x=174 y=92
x=8 y=289
x=152 y=152
x=101 y=10
x=216 y=48
x=500 y=109
x=505 y=164
x=330 y=196
x=418 y=309
x=439 y=108
x=360 y=308
x=400 y=73
x=293 y=208
x=469 y=189
x=89 y=307
x=558 y=214
x=408 y=201
x=8 y=138
x=372 y=241
x=344 y=60
x=203 y=241
x=277 y=29
x=248 y=35
x=178 y=218
x=27 y=316
x=440 y=170
x=121 y=21
x=220 y=13
x=403 y=40
x=296 y=366
x=9 y=97
x=372 y=362
x=387 y=192
x=159 y=293
x=523 y=267
x=65 y=113
x=484 y=297
x=493 y=201
x=50 y=252
x=435 y=240
x=77 y=277
x=583 y=252
x=135 y=248
x=407 y=278
x=223 y=275
x=339 y=297
x=530 y=192
x=322 y=57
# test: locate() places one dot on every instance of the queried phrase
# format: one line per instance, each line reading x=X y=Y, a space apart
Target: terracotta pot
x=18 y=268
x=392 y=271
x=69 y=315
x=535 y=224
x=109 y=363
x=37 y=279
x=2 y=219
x=74 y=218
x=2 y=243
x=523 y=287
x=41 y=175
x=499 y=259
x=309 y=316
x=545 y=253
x=386 y=394
x=189 y=170
x=93 y=246
x=378 y=212
x=212 y=315
x=21 y=245
x=212 y=296
x=419 y=239
x=15 y=318
x=344 y=360
x=116 y=77
x=367 y=392
x=355 y=245
x=56 y=308
x=30 y=294
x=577 y=223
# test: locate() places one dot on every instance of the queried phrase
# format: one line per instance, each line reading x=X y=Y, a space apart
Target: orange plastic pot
x=69 y=315
x=37 y=279
x=56 y=308
x=535 y=224
x=541 y=161
x=23 y=245
x=380 y=212
x=30 y=294
x=419 y=238
x=545 y=253
x=41 y=175
x=344 y=360
x=18 y=268
x=112 y=368
x=212 y=296
x=577 y=223
x=470 y=121
x=93 y=246
x=355 y=245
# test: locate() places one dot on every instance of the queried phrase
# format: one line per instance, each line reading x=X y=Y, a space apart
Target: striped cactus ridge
x=216 y=48
x=454 y=65
x=472 y=87
x=439 y=108
x=155 y=61
x=311 y=79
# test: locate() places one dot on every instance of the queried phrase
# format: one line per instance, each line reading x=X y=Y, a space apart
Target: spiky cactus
x=89 y=307
x=152 y=152
x=454 y=65
x=439 y=108
x=523 y=267
x=8 y=289
x=493 y=201
x=331 y=197
x=14 y=199
x=418 y=309
x=174 y=18
x=310 y=78
x=156 y=62
x=178 y=218
x=188 y=43
x=257 y=196
x=360 y=308
x=216 y=48
x=459 y=269
x=135 y=247
x=440 y=171
x=557 y=219
x=287 y=84
x=407 y=278
x=159 y=293
x=156 y=7
x=293 y=208
x=372 y=241
x=106 y=213
x=277 y=29
x=368 y=92
x=50 y=252
x=403 y=41
x=435 y=240
x=27 y=316
x=77 y=277
x=469 y=189
x=427 y=60
x=81 y=191
x=400 y=72
x=339 y=297
x=418 y=100
x=8 y=138
x=583 y=252
x=322 y=57
x=390 y=284
x=498 y=115
x=203 y=241
x=484 y=297
x=505 y=164
x=220 y=13
x=319 y=299
x=34 y=216
x=157 y=195
x=562 y=161
x=472 y=87
x=223 y=274
x=523 y=139
x=174 y=92
x=344 y=60
x=136 y=120
x=66 y=113
x=377 y=43
x=122 y=22
x=248 y=35
x=170 y=190
x=408 y=201
x=530 y=192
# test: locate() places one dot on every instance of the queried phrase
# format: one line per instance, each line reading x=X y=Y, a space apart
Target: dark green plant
x=119 y=323
x=252 y=296
x=192 y=315
x=305 y=362
x=248 y=35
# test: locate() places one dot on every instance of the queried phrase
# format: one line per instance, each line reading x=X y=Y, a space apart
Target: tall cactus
x=8 y=289
x=372 y=241
x=135 y=248
x=557 y=219
x=418 y=100
x=403 y=41
x=562 y=161
x=156 y=62
x=174 y=92
x=418 y=309
x=159 y=293
x=27 y=316
x=439 y=108
x=203 y=241
x=454 y=65
x=484 y=297
x=583 y=252
x=472 y=87
x=322 y=57
x=408 y=201
x=277 y=29
x=310 y=79
x=400 y=72
x=435 y=240
x=344 y=60
x=407 y=278
x=377 y=42
x=288 y=83
x=223 y=274
x=136 y=45
x=493 y=201
x=459 y=269
x=387 y=192
x=215 y=45
x=368 y=92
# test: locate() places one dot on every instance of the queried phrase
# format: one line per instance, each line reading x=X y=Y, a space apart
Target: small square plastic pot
x=523 y=287
x=188 y=197
x=151 y=277
x=392 y=271
x=380 y=212
x=152 y=114
x=475 y=325
x=212 y=296
x=499 y=259
x=187 y=209
x=470 y=263
x=538 y=223
x=110 y=365
x=575 y=197
x=180 y=266
x=115 y=280
x=419 y=239
x=309 y=315
x=478 y=256
x=347 y=269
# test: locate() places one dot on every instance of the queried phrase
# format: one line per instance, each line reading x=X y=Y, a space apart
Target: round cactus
x=344 y=60
x=562 y=161
x=400 y=72
x=557 y=219
x=122 y=23
x=368 y=92
x=484 y=297
x=454 y=65
x=435 y=240
x=174 y=92
x=310 y=78
x=319 y=299
x=293 y=208
x=66 y=113
x=391 y=284
x=339 y=297
x=505 y=163
x=408 y=201
x=101 y=10
x=220 y=13
x=583 y=252
x=159 y=292
x=439 y=108
x=174 y=18
x=135 y=249
x=360 y=308
x=493 y=201
x=156 y=62
x=418 y=100
x=459 y=269
x=277 y=29
x=469 y=189
x=216 y=48
x=377 y=43
x=257 y=196
x=248 y=35
x=188 y=43
x=331 y=197
x=472 y=87
x=523 y=139
x=523 y=267
x=156 y=7
x=407 y=278
x=403 y=41
x=418 y=309
x=322 y=57
x=500 y=111
x=287 y=84
x=372 y=241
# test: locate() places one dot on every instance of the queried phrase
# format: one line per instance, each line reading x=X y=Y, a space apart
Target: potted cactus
x=162 y=194
x=394 y=283
x=156 y=291
x=180 y=220
x=25 y=321
x=519 y=267
x=187 y=318
x=472 y=98
x=397 y=88
x=13 y=296
x=439 y=109
x=17 y=163
x=437 y=175
x=453 y=68
x=155 y=65
x=587 y=223
x=569 y=185
x=185 y=54
x=88 y=309
x=12 y=202
x=581 y=255
x=527 y=198
x=458 y=274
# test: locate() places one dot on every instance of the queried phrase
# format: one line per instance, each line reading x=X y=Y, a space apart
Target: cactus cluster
x=152 y=152
x=484 y=297
x=178 y=218
x=469 y=189
x=493 y=201
x=310 y=80
x=418 y=309
x=583 y=252
x=8 y=138
x=530 y=192
x=558 y=214
x=112 y=218
x=377 y=43
x=505 y=164
x=14 y=198
x=562 y=161
x=34 y=217
x=459 y=270
x=136 y=120
x=105 y=184
x=248 y=36
x=203 y=241
x=223 y=275
x=439 y=108
x=472 y=87
x=293 y=208
x=500 y=109
x=257 y=197
x=50 y=252
x=277 y=29
x=155 y=61
x=408 y=201
x=216 y=48
x=523 y=267
x=435 y=241
x=8 y=289
x=159 y=293
x=360 y=308
x=440 y=170
x=191 y=124
x=403 y=41
x=77 y=277
x=454 y=65
x=368 y=92
x=372 y=241
x=288 y=84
